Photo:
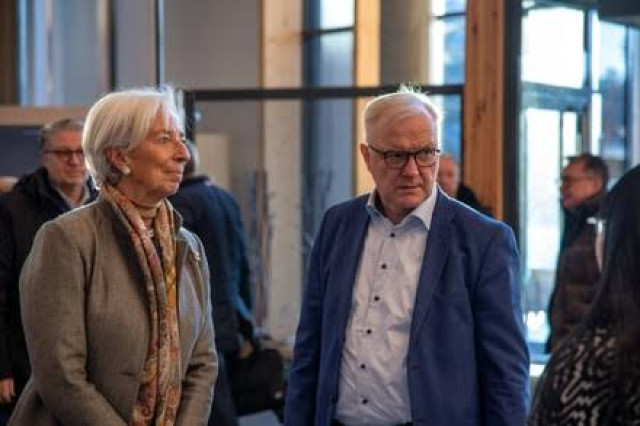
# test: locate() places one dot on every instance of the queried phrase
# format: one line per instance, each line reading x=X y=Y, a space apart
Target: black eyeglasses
x=65 y=154
x=398 y=159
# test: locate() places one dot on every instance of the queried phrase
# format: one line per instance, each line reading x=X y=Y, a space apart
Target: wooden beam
x=484 y=101
x=366 y=73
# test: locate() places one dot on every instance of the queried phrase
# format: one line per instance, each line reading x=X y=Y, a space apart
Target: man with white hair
x=411 y=313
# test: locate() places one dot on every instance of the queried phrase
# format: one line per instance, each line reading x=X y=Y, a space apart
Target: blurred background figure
x=59 y=185
x=583 y=184
x=593 y=377
x=251 y=376
x=213 y=215
x=7 y=183
x=450 y=182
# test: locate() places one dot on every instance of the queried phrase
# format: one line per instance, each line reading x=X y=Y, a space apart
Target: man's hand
x=7 y=391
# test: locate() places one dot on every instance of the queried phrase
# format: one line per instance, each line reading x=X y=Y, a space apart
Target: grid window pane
x=336 y=13
x=557 y=56
x=443 y=7
x=331 y=59
x=447 y=50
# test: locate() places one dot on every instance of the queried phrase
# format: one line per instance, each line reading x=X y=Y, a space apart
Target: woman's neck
x=146 y=208
x=147 y=213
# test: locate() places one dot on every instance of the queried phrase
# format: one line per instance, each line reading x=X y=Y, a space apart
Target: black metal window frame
x=193 y=96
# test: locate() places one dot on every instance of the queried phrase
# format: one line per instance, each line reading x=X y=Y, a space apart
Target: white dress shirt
x=373 y=375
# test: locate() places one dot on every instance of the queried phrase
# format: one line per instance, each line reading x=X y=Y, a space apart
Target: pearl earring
x=126 y=170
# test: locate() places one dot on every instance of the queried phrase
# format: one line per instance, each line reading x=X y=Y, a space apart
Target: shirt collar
x=424 y=211
x=86 y=194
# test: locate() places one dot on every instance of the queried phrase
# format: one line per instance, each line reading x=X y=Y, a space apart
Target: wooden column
x=366 y=73
x=484 y=101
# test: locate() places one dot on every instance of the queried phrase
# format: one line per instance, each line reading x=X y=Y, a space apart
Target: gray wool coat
x=86 y=322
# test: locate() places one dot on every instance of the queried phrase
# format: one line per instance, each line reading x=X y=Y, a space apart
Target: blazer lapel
x=185 y=323
x=435 y=257
x=349 y=259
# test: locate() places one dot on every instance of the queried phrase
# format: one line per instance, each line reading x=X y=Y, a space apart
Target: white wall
x=213 y=45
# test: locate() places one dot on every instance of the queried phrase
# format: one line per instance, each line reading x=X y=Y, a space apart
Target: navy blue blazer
x=467 y=362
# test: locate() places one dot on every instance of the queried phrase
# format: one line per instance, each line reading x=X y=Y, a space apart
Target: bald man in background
x=449 y=181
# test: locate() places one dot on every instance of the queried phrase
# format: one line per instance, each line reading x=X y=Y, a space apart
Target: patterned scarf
x=159 y=394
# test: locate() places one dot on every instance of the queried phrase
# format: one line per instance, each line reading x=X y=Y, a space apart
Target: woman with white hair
x=115 y=296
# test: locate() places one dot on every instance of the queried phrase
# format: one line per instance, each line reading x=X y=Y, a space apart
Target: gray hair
x=51 y=129
x=406 y=102
x=121 y=120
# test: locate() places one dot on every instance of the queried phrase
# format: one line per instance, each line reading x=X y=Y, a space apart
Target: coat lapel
x=435 y=257
x=349 y=258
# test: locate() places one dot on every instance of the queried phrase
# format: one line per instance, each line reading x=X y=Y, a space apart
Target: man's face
x=449 y=176
x=401 y=190
x=62 y=157
x=577 y=185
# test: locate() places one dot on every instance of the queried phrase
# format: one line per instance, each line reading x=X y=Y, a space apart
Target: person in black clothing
x=214 y=216
x=593 y=377
x=583 y=188
x=449 y=180
x=60 y=184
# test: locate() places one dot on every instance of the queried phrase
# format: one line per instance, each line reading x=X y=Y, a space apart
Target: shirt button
x=383 y=266
x=363 y=366
x=376 y=298
x=368 y=331
x=365 y=401
x=392 y=235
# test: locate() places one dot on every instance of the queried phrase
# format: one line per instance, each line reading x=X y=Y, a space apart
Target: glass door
x=551 y=135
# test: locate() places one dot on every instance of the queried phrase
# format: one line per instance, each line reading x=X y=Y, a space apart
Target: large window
x=446 y=59
x=327 y=144
x=64 y=51
x=574 y=99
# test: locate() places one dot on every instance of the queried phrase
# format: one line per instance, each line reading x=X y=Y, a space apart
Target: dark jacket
x=213 y=215
x=577 y=272
x=467 y=196
x=32 y=202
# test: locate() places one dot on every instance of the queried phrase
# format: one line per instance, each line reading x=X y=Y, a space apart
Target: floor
x=263 y=418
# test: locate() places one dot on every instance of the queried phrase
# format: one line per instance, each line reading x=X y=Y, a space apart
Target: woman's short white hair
x=121 y=120
x=391 y=107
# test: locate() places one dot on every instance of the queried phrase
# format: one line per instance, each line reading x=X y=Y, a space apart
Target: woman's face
x=156 y=164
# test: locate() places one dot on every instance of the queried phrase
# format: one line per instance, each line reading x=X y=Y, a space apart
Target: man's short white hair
x=406 y=102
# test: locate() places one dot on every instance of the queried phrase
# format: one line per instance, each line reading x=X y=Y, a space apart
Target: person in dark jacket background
x=583 y=188
x=592 y=377
x=59 y=185
x=213 y=215
x=450 y=182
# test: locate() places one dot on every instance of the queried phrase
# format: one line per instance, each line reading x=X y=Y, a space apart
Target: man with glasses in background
x=59 y=185
x=583 y=184
x=411 y=313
